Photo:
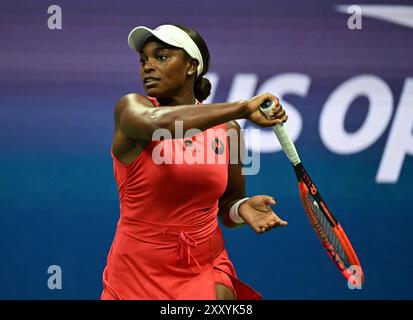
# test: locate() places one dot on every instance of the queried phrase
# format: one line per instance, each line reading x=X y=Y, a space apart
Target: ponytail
x=202 y=88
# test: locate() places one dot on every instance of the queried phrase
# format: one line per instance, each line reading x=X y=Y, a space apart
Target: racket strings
x=331 y=235
x=326 y=233
x=329 y=232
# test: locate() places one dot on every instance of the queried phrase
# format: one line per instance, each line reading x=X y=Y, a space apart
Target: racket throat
x=304 y=177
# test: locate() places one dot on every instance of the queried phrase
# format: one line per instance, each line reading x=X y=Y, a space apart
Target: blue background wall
x=58 y=199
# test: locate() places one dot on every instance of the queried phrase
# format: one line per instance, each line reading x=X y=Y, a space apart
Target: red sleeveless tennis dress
x=168 y=244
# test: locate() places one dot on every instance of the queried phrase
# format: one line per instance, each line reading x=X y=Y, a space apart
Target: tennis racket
x=325 y=225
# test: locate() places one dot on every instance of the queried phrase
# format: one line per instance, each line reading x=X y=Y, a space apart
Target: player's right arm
x=137 y=117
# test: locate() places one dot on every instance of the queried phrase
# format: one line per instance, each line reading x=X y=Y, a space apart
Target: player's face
x=163 y=70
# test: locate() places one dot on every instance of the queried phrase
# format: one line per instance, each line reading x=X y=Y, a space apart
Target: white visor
x=169 y=34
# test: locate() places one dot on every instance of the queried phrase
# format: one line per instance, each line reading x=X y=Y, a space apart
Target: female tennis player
x=168 y=243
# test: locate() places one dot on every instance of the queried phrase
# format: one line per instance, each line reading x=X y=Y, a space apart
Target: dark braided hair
x=202 y=87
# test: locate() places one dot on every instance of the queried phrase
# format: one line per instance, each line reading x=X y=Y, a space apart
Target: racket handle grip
x=286 y=143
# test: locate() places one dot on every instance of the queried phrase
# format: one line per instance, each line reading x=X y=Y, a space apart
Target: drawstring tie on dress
x=185 y=243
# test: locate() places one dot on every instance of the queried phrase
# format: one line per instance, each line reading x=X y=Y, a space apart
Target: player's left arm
x=236 y=181
x=256 y=211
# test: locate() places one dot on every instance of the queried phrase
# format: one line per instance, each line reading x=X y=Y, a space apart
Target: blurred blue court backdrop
x=349 y=94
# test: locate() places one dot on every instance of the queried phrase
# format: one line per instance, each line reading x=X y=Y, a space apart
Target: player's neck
x=185 y=99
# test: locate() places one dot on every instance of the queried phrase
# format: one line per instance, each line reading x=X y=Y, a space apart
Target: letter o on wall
x=332 y=118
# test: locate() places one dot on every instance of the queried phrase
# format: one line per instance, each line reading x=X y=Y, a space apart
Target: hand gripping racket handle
x=286 y=143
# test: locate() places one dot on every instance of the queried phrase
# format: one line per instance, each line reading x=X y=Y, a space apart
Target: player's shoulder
x=131 y=100
x=134 y=99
